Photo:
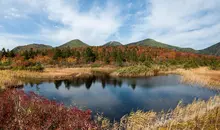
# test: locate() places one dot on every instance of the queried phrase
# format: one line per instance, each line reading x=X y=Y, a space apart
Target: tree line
x=120 y=56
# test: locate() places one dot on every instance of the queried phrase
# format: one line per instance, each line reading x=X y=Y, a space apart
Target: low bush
x=191 y=64
x=96 y=65
x=28 y=66
x=214 y=66
x=21 y=111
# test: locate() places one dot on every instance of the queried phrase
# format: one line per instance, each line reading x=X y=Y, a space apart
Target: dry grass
x=203 y=76
x=198 y=115
x=11 y=78
x=138 y=71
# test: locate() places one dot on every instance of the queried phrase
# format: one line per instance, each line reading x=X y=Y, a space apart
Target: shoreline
x=202 y=76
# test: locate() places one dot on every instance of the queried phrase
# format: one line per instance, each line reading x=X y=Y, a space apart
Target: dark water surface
x=116 y=97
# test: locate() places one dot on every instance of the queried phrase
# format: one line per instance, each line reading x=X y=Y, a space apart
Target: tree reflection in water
x=87 y=82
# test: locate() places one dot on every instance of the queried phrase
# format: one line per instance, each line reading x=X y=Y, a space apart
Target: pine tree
x=142 y=58
x=57 y=54
x=89 y=55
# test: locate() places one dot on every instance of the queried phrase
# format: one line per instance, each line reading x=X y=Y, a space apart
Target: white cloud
x=8 y=43
x=184 y=23
x=93 y=27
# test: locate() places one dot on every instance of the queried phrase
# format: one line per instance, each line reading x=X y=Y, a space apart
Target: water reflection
x=87 y=82
x=116 y=97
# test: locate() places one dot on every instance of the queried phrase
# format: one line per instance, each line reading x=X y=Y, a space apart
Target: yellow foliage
x=4 y=60
x=71 y=59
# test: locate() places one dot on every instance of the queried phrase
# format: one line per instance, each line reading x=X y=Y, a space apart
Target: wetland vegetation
x=129 y=71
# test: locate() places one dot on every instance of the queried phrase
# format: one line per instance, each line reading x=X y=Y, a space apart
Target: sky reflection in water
x=116 y=97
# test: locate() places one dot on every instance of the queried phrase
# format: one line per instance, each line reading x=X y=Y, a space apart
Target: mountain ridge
x=211 y=50
x=153 y=43
x=33 y=46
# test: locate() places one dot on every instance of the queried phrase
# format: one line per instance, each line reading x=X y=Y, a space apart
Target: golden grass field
x=203 y=76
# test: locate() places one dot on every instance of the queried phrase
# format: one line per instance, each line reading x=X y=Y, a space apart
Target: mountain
x=153 y=43
x=33 y=46
x=113 y=43
x=73 y=44
x=212 y=50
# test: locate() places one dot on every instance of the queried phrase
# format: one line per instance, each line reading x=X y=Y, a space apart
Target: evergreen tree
x=89 y=55
x=142 y=58
x=4 y=53
x=31 y=53
x=57 y=54
x=107 y=58
x=119 y=58
x=11 y=54
x=78 y=56
x=26 y=55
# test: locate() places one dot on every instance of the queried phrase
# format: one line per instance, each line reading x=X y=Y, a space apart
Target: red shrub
x=21 y=111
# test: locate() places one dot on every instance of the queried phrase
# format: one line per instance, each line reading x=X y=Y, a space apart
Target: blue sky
x=184 y=23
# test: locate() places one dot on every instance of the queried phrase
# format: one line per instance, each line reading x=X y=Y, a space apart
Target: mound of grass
x=139 y=70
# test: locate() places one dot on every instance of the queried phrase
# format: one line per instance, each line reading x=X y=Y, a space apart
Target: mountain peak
x=74 y=43
x=113 y=43
x=153 y=43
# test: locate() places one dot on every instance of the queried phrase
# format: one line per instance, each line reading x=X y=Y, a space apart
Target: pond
x=115 y=97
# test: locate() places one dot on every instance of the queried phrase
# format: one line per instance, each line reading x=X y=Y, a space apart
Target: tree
x=89 y=55
x=107 y=58
x=119 y=58
x=11 y=54
x=67 y=52
x=57 y=54
x=142 y=58
x=77 y=56
x=4 y=53
x=26 y=55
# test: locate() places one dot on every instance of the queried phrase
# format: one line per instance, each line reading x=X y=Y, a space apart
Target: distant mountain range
x=212 y=50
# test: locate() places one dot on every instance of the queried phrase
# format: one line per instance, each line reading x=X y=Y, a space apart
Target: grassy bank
x=198 y=115
x=202 y=76
x=10 y=78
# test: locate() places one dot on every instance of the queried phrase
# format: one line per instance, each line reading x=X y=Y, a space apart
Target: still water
x=115 y=97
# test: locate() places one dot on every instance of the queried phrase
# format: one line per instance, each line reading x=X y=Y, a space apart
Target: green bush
x=215 y=66
x=191 y=64
x=37 y=67
x=95 y=65
x=31 y=67
x=147 y=63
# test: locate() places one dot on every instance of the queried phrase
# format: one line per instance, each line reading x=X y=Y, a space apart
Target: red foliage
x=21 y=111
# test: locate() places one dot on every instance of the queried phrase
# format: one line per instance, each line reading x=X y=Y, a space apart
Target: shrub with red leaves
x=21 y=111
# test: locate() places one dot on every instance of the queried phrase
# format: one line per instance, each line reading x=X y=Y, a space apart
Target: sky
x=184 y=23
